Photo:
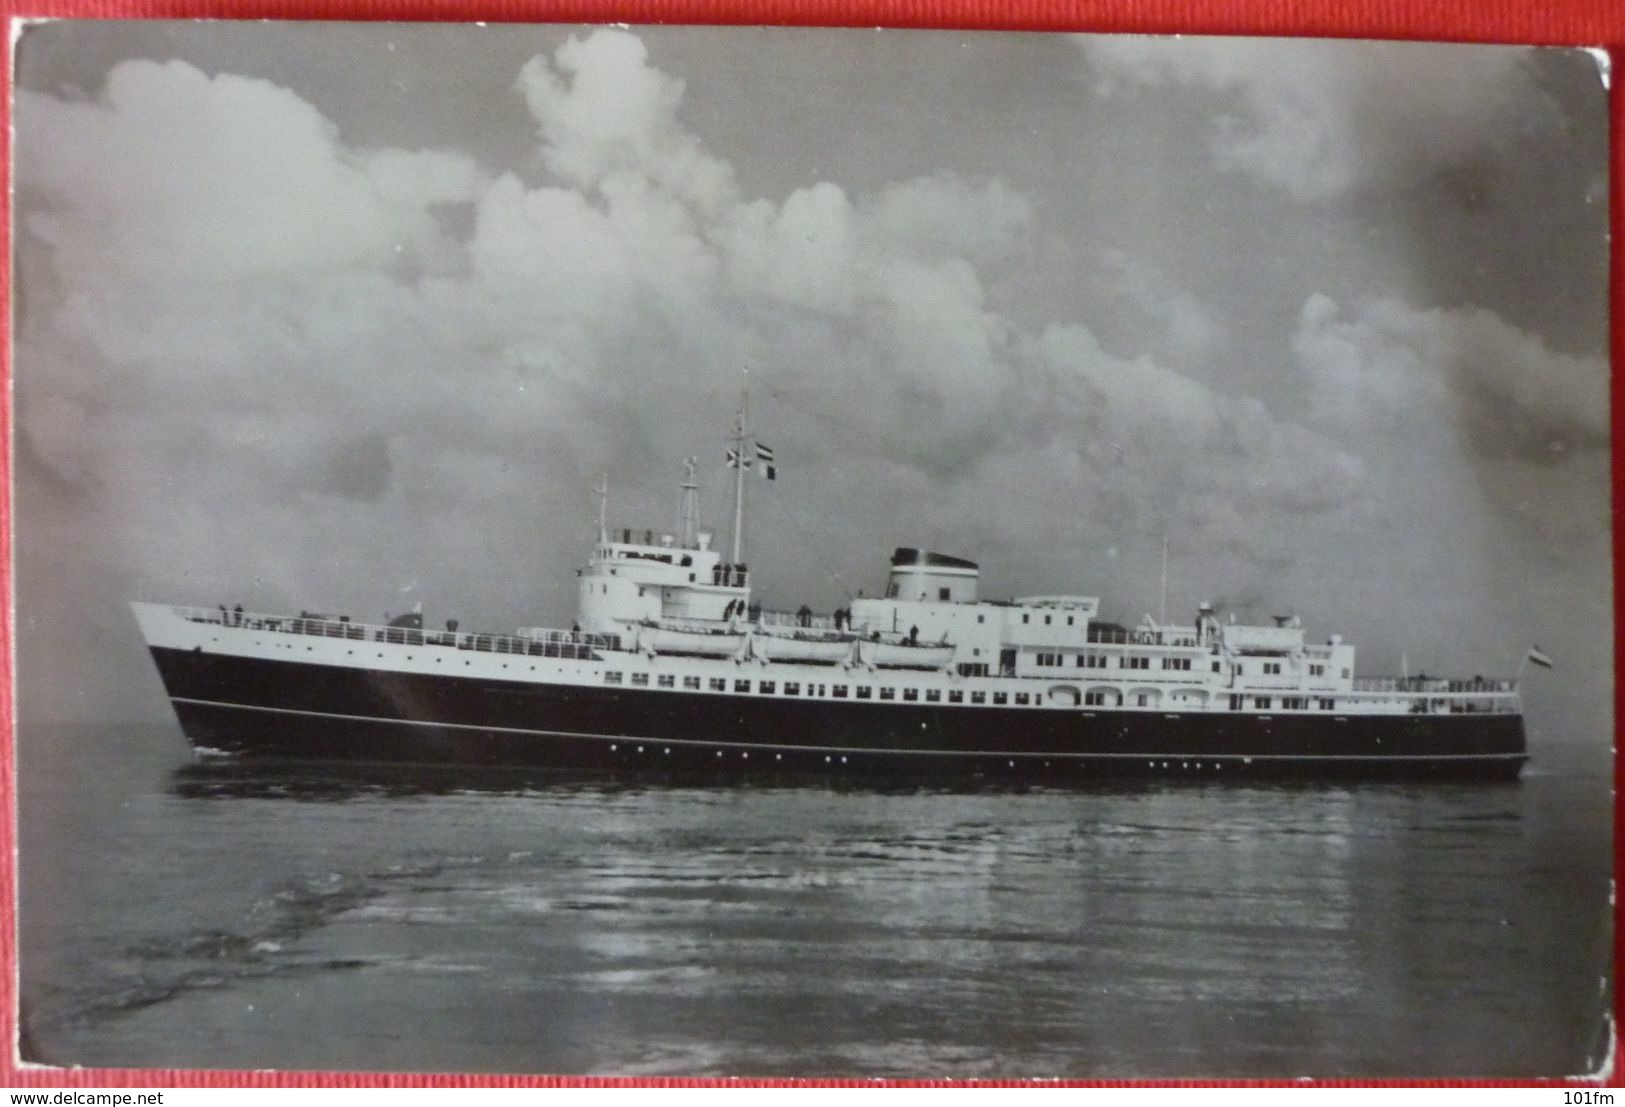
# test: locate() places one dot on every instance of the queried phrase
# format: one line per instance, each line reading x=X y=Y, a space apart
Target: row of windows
x=1288 y=703
x=1100 y=661
x=837 y=691
x=1095 y=698
x=1273 y=668
x=1026 y=617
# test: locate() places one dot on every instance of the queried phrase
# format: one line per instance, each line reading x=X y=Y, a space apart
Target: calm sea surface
x=240 y=917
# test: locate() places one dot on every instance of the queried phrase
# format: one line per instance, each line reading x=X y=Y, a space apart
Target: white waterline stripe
x=855 y=749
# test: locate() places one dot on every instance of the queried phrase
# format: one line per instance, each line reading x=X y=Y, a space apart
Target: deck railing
x=1477 y=686
x=538 y=642
x=793 y=619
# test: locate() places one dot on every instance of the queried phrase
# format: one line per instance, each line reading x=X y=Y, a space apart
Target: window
x=1262 y=703
x=691 y=682
x=1026 y=618
x=981 y=618
x=942 y=593
x=792 y=687
x=888 y=693
x=1136 y=663
x=1046 y=620
x=1295 y=703
x=910 y=694
x=612 y=677
x=838 y=691
x=1328 y=705
x=1143 y=699
x=1272 y=668
x=1345 y=674
x=1235 y=703
x=1317 y=670
x=956 y=697
x=1215 y=666
x=1094 y=699
x=933 y=696
x=1021 y=697
x=718 y=684
x=978 y=697
x=767 y=687
x=1069 y=620
x=640 y=679
x=891 y=590
x=863 y=691
x=666 y=680
x=1000 y=697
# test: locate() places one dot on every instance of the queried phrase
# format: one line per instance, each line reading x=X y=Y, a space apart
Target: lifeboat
x=690 y=640
x=901 y=654
x=809 y=647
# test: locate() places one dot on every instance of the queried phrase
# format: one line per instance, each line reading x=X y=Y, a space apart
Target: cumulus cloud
x=1385 y=361
x=192 y=177
x=1319 y=119
x=1189 y=331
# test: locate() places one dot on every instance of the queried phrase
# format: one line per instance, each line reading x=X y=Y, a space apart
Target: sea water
x=234 y=915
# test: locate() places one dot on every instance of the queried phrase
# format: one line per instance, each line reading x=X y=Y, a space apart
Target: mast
x=603 y=508
x=690 y=522
x=740 y=462
x=1162 y=612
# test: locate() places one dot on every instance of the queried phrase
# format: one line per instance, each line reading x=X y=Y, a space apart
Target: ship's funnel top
x=931 y=577
x=908 y=555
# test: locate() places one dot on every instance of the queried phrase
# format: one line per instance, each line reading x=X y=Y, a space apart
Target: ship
x=672 y=668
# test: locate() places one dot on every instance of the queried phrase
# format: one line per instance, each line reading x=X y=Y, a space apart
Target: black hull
x=314 y=712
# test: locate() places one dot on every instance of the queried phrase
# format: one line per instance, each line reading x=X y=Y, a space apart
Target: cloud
x=1387 y=362
x=603 y=111
x=1486 y=413
x=174 y=175
x=1321 y=119
x=1191 y=334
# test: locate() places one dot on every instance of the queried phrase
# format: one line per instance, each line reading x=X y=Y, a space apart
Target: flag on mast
x=768 y=468
x=1539 y=657
x=736 y=460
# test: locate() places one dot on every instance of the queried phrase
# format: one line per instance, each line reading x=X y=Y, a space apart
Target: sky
x=351 y=317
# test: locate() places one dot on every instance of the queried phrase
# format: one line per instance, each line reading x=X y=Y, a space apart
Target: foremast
x=739 y=459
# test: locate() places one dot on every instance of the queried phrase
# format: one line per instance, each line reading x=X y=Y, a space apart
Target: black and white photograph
x=783 y=552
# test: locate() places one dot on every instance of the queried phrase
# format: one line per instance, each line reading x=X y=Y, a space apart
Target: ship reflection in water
x=295 y=916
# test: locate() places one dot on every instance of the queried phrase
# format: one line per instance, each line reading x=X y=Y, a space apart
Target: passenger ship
x=672 y=668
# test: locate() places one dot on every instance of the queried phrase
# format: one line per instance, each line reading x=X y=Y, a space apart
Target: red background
x=1553 y=22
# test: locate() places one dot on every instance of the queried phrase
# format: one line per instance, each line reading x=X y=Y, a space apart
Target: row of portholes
x=831 y=759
